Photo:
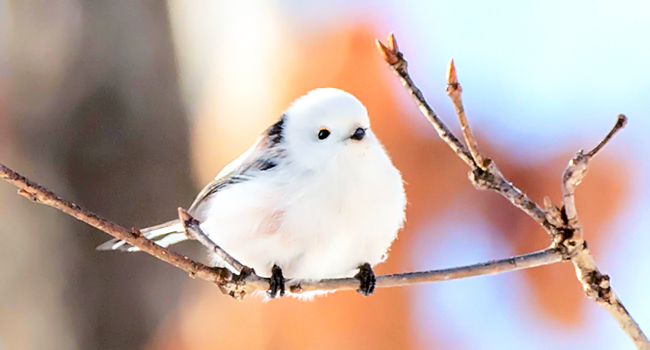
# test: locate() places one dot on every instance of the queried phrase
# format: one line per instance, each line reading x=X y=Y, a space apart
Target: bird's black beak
x=359 y=134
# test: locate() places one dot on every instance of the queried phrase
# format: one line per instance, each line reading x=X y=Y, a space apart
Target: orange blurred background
x=128 y=108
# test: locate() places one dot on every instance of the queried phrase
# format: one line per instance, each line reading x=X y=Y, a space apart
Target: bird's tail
x=166 y=234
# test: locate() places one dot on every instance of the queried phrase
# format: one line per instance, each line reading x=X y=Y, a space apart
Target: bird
x=315 y=197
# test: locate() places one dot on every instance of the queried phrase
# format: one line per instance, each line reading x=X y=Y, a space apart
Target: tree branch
x=539 y=258
x=595 y=284
x=562 y=226
x=247 y=282
x=488 y=179
x=391 y=54
x=39 y=194
x=454 y=91
x=193 y=231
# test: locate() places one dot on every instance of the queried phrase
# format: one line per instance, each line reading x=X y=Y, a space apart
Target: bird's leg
x=276 y=283
x=366 y=279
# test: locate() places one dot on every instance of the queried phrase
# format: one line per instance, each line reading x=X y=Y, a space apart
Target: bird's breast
x=355 y=196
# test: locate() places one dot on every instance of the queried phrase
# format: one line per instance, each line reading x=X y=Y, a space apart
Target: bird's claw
x=366 y=279
x=276 y=283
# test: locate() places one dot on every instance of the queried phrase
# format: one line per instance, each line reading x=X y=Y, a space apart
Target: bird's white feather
x=316 y=208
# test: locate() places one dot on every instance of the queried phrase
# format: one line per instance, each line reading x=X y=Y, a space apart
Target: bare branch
x=39 y=194
x=193 y=230
x=562 y=225
x=489 y=178
x=454 y=92
x=565 y=230
x=554 y=213
x=395 y=59
x=620 y=123
x=576 y=171
x=573 y=175
x=526 y=261
x=595 y=284
x=247 y=282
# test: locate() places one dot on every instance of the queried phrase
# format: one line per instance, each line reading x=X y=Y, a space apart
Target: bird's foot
x=276 y=287
x=366 y=279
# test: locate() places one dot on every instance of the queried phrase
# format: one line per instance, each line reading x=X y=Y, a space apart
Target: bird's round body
x=316 y=195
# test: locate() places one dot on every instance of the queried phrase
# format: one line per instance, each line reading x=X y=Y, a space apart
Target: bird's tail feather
x=166 y=234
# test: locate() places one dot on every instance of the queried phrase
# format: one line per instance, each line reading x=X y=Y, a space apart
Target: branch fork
x=561 y=224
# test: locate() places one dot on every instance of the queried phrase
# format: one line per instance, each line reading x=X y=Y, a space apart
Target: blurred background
x=129 y=107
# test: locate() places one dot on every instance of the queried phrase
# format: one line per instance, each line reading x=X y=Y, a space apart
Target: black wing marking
x=264 y=156
x=275 y=133
x=245 y=173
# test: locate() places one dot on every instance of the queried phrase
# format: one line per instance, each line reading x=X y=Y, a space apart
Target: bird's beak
x=359 y=134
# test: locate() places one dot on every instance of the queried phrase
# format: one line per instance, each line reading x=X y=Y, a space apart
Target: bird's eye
x=323 y=134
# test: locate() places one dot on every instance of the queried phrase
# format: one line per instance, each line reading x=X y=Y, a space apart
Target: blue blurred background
x=129 y=108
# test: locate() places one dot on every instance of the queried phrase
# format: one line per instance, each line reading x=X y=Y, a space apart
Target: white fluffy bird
x=315 y=197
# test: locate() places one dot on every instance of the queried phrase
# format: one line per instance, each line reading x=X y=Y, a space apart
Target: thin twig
x=454 y=91
x=239 y=286
x=567 y=241
x=488 y=179
x=39 y=194
x=391 y=54
x=595 y=284
x=526 y=261
x=193 y=230
x=620 y=123
x=563 y=225
x=576 y=171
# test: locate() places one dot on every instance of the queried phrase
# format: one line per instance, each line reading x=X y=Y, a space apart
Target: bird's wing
x=264 y=155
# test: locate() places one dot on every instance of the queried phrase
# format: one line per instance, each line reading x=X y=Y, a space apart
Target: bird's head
x=324 y=124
